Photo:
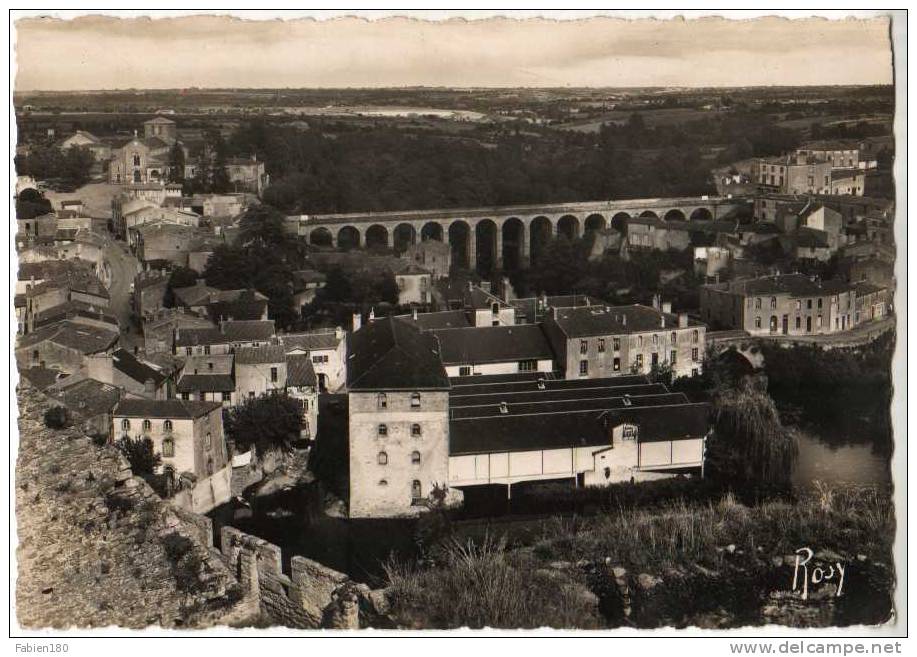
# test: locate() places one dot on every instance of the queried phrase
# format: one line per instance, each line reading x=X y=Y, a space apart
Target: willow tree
x=750 y=445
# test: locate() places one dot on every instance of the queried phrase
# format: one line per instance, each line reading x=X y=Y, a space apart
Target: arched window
x=415 y=400
x=168 y=447
x=695 y=337
x=147 y=425
x=208 y=441
x=416 y=430
x=136 y=160
x=383 y=430
x=383 y=482
x=382 y=458
x=773 y=302
x=382 y=400
x=167 y=425
x=415 y=458
x=125 y=424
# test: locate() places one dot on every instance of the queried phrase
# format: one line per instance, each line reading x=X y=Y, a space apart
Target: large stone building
x=188 y=435
x=602 y=341
x=327 y=348
x=398 y=398
x=794 y=174
x=475 y=351
x=789 y=304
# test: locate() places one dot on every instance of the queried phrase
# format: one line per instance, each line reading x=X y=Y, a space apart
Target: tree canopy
x=267 y=423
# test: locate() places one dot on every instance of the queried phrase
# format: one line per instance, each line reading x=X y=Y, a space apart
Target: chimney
x=661 y=320
x=414 y=314
x=624 y=321
x=667 y=306
x=356 y=322
x=682 y=320
x=470 y=286
x=656 y=301
x=149 y=388
x=338 y=332
x=372 y=314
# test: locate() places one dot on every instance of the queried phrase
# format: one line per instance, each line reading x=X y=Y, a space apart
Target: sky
x=95 y=52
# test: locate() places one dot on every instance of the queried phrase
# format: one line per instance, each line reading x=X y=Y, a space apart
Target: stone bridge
x=510 y=236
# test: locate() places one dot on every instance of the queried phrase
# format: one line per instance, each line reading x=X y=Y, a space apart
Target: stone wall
x=312 y=596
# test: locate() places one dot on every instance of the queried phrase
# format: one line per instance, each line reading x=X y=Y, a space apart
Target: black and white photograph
x=465 y=323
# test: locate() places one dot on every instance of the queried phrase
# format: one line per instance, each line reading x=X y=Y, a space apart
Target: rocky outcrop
x=97 y=546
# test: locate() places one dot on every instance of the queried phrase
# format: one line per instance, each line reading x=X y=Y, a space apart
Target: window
x=382 y=400
x=208 y=441
x=639 y=362
x=495 y=308
x=227 y=396
x=415 y=458
x=168 y=448
x=808 y=324
x=416 y=431
x=601 y=345
x=583 y=367
x=616 y=344
x=799 y=322
x=629 y=432
x=167 y=425
x=654 y=359
x=758 y=303
x=125 y=425
x=819 y=302
x=694 y=354
x=674 y=337
x=207 y=351
x=136 y=160
x=640 y=341
x=251 y=394
x=694 y=371
x=757 y=322
x=695 y=336
x=530 y=365
x=773 y=302
x=416 y=490
x=583 y=346
x=465 y=370
x=383 y=482
x=672 y=355
x=382 y=458
x=655 y=339
x=383 y=430
x=809 y=304
x=818 y=322
x=415 y=400
x=188 y=351
x=798 y=304
x=186 y=396
x=617 y=364
x=273 y=375
x=147 y=425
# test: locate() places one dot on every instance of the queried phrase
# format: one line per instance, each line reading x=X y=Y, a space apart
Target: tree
x=267 y=423
x=179 y=277
x=264 y=225
x=140 y=454
x=57 y=417
x=31 y=203
x=749 y=446
x=177 y=164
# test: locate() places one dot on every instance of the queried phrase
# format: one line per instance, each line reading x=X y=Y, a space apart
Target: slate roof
x=480 y=299
x=389 y=354
x=205 y=383
x=81 y=337
x=87 y=397
x=609 y=320
x=493 y=344
x=71 y=309
x=581 y=428
x=193 y=295
x=40 y=377
x=533 y=308
x=164 y=408
x=310 y=340
x=192 y=337
x=248 y=330
x=127 y=364
x=260 y=355
x=438 y=320
x=300 y=371
x=797 y=285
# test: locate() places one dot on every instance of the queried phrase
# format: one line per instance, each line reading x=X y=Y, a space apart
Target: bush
x=57 y=417
x=139 y=453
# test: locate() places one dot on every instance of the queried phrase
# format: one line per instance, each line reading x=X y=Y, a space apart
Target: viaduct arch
x=504 y=237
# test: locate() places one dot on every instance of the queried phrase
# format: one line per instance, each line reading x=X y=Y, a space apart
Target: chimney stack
x=356 y=322
x=338 y=332
x=414 y=314
x=682 y=320
x=667 y=306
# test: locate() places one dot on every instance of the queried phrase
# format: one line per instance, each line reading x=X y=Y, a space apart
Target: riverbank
x=720 y=564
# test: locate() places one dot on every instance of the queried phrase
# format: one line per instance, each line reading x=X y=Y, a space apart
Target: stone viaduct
x=510 y=236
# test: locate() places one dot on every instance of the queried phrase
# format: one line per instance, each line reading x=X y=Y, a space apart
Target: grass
x=490 y=583
x=485 y=585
